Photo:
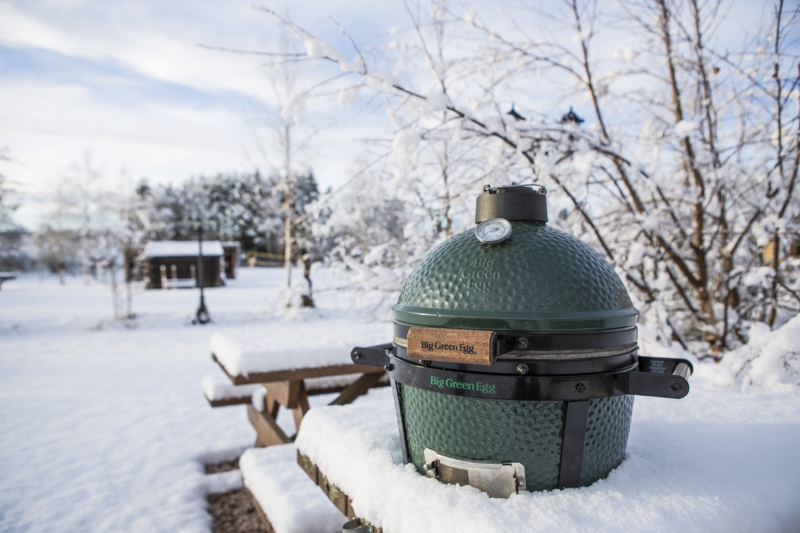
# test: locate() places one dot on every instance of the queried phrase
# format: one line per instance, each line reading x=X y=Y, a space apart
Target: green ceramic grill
x=514 y=360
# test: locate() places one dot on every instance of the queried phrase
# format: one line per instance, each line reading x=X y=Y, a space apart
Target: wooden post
x=268 y=433
x=300 y=410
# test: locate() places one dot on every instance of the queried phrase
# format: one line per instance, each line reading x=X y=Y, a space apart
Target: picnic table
x=6 y=276
x=287 y=374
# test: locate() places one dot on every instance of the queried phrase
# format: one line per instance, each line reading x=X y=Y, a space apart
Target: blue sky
x=127 y=81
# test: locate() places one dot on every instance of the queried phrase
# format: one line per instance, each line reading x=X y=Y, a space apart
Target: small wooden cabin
x=173 y=264
x=232 y=250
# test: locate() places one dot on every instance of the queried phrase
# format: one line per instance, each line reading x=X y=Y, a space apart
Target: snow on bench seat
x=291 y=502
x=717 y=461
x=220 y=392
x=269 y=347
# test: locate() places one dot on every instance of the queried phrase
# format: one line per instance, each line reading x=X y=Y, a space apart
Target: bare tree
x=7 y=207
x=284 y=117
x=683 y=170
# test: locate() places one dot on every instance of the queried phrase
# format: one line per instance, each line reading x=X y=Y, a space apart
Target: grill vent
x=450 y=474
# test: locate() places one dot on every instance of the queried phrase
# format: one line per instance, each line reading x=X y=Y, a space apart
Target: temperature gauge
x=493 y=230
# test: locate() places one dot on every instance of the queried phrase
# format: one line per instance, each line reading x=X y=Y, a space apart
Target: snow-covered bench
x=292 y=362
x=286 y=500
x=220 y=392
x=712 y=463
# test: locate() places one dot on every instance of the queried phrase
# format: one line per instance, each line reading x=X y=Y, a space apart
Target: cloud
x=136 y=46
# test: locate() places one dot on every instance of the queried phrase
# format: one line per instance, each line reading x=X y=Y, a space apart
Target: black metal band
x=504 y=387
x=539 y=388
x=650 y=376
x=401 y=423
x=569 y=470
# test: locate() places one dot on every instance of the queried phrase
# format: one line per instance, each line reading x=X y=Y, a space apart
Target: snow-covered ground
x=103 y=424
x=104 y=427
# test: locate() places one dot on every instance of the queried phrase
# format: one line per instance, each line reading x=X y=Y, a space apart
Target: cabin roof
x=181 y=249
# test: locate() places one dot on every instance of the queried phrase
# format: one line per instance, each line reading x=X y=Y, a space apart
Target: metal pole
x=202 y=316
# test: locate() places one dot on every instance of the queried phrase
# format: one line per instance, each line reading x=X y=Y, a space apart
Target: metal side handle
x=377 y=356
x=661 y=377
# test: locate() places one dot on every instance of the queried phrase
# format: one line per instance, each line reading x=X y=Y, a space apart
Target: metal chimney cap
x=515 y=203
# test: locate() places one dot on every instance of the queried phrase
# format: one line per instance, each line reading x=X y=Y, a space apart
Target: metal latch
x=498 y=480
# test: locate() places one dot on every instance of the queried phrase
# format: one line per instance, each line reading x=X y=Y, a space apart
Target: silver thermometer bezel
x=505 y=235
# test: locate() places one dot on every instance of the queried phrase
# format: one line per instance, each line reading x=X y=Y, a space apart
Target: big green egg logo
x=448 y=383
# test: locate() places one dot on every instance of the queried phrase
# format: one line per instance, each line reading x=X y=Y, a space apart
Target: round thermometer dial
x=493 y=230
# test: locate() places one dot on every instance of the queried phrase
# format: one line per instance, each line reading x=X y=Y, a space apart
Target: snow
x=271 y=347
x=104 y=423
x=684 y=128
x=291 y=501
x=223 y=482
x=182 y=249
x=759 y=277
x=217 y=387
x=105 y=426
x=348 y=97
x=769 y=362
x=715 y=461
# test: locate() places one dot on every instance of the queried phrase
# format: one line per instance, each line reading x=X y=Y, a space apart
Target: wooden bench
x=339 y=499
x=291 y=389
x=220 y=392
x=285 y=500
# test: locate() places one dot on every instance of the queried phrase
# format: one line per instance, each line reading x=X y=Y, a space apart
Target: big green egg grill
x=514 y=361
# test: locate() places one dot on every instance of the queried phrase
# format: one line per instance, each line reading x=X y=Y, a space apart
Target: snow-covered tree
x=679 y=164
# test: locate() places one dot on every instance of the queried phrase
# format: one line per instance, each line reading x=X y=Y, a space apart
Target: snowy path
x=103 y=428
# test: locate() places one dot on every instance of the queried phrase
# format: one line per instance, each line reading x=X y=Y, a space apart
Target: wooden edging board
x=341 y=500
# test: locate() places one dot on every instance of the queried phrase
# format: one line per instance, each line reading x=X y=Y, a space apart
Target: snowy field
x=103 y=425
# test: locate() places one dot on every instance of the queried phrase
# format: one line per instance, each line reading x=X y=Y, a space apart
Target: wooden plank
x=325 y=390
x=361 y=385
x=342 y=501
x=229 y=401
x=260 y=512
x=336 y=496
x=301 y=373
x=268 y=433
x=308 y=467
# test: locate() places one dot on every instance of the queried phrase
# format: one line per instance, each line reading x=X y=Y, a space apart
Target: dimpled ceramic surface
x=530 y=433
x=539 y=279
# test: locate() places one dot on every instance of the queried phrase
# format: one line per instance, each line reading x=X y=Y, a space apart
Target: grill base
x=527 y=432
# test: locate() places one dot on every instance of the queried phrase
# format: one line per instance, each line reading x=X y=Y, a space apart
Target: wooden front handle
x=471 y=347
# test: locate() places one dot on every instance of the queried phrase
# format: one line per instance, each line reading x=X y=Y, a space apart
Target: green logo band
x=448 y=383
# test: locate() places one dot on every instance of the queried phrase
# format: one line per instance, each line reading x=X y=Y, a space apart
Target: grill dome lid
x=538 y=279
